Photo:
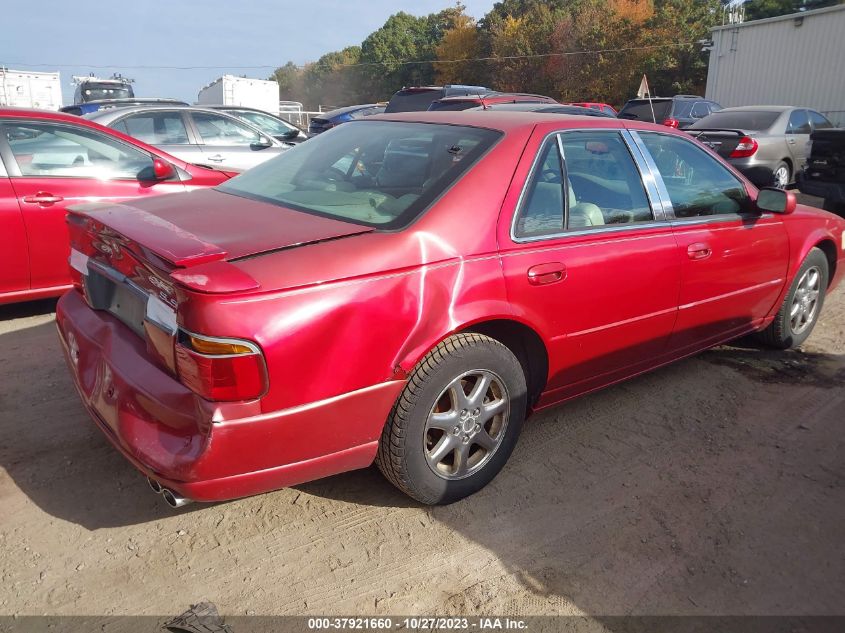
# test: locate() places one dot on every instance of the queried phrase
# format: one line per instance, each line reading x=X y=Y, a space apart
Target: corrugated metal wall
x=781 y=62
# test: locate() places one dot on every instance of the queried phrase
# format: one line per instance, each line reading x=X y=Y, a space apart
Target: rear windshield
x=412 y=100
x=452 y=106
x=641 y=110
x=381 y=174
x=745 y=120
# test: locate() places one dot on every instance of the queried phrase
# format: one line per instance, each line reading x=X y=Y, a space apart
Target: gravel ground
x=713 y=486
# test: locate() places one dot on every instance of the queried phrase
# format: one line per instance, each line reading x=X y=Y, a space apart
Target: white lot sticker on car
x=79 y=261
x=161 y=313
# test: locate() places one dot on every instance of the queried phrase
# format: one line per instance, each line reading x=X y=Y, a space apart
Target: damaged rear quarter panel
x=343 y=315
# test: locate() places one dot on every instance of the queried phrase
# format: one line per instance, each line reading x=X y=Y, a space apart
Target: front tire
x=456 y=422
x=803 y=303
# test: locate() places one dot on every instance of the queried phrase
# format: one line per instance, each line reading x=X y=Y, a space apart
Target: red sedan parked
x=601 y=107
x=50 y=160
x=407 y=288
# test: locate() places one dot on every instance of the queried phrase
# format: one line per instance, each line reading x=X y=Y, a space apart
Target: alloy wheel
x=467 y=424
x=782 y=177
x=805 y=301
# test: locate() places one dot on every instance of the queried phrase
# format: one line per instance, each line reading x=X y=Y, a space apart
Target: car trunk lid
x=206 y=226
x=723 y=142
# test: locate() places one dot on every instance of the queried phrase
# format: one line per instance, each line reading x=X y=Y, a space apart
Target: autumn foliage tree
x=457 y=52
x=573 y=50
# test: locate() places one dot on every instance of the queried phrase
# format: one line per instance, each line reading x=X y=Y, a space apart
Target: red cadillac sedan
x=408 y=288
x=49 y=161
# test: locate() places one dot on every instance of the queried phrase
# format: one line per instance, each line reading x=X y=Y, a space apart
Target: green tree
x=759 y=9
x=289 y=78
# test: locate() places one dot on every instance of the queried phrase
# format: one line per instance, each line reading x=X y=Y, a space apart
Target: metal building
x=796 y=59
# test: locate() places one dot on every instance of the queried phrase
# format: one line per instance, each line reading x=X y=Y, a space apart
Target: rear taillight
x=745 y=148
x=671 y=123
x=221 y=369
x=78 y=263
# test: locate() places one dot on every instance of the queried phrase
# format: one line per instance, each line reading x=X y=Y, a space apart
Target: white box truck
x=30 y=89
x=241 y=91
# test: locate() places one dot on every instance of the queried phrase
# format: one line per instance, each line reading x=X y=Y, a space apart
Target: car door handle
x=217 y=158
x=43 y=198
x=548 y=273
x=791 y=141
x=699 y=250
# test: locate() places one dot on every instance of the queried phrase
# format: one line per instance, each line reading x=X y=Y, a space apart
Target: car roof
x=761 y=109
x=219 y=106
x=113 y=113
x=553 y=108
x=510 y=121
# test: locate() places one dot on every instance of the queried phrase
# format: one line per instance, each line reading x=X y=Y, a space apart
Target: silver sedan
x=766 y=143
x=196 y=135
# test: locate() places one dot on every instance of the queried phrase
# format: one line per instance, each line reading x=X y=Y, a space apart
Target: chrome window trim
x=662 y=192
x=523 y=192
x=648 y=175
x=715 y=219
x=607 y=228
x=661 y=219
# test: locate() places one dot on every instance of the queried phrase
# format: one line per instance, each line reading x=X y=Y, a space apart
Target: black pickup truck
x=824 y=175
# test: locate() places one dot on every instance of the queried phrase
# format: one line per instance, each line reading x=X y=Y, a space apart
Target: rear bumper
x=202 y=450
x=759 y=172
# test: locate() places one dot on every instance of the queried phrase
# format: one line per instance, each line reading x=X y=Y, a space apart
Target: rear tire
x=781 y=175
x=456 y=422
x=800 y=310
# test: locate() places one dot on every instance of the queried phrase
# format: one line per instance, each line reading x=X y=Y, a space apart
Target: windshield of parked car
x=641 y=110
x=269 y=124
x=412 y=100
x=750 y=120
x=376 y=173
x=452 y=106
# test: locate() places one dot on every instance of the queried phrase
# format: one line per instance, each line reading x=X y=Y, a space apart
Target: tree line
x=573 y=50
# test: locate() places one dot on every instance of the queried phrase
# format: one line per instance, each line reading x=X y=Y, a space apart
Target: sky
x=107 y=36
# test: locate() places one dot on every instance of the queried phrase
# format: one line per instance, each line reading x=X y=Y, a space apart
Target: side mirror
x=776 y=200
x=289 y=136
x=163 y=170
x=157 y=171
x=262 y=143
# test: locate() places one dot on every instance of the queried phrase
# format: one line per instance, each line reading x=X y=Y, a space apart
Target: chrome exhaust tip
x=173 y=499
x=155 y=485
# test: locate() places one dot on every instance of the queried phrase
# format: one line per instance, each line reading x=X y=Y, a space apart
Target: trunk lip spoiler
x=172 y=243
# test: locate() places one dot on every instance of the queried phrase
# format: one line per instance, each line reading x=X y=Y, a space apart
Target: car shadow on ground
x=27 y=309
x=713 y=485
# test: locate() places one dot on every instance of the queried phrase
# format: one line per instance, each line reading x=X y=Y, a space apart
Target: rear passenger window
x=603 y=183
x=798 y=123
x=698 y=184
x=155 y=128
x=541 y=212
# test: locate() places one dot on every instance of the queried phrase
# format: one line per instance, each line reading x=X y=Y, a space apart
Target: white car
x=196 y=135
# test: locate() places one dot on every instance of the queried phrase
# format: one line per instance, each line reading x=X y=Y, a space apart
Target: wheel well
x=829 y=249
x=526 y=345
x=788 y=164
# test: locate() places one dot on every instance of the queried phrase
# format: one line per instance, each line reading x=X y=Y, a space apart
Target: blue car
x=333 y=118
